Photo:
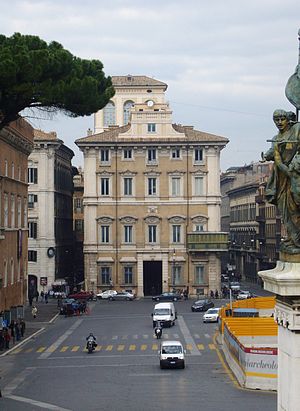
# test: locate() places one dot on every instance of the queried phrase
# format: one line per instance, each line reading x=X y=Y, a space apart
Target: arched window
x=109 y=114
x=126 y=111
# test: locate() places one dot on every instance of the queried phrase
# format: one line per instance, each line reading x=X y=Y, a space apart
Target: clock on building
x=150 y=103
x=51 y=252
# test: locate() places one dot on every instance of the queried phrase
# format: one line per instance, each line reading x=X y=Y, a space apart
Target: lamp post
x=173 y=268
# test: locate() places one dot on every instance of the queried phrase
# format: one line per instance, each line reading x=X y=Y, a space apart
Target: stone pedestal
x=284 y=281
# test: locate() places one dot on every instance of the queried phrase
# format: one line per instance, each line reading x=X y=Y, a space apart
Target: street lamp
x=173 y=267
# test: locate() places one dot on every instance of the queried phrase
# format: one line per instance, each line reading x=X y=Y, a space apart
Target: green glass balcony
x=205 y=241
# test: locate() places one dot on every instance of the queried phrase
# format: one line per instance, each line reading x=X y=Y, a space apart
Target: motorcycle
x=91 y=345
x=158 y=332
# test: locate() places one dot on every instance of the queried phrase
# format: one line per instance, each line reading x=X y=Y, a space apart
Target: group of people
x=44 y=297
x=12 y=333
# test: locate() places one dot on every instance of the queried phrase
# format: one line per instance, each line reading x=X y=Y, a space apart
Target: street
x=54 y=372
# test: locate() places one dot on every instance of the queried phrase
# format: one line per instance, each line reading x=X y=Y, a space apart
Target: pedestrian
x=12 y=330
x=22 y=327
x=216 y=294
x=6 y=338
x=46 y=297
x=17 y=330
x=42 y=296
x=37 y=296
x=212 y=294
x=34 y=311
x=30 y=298
x=2 y=342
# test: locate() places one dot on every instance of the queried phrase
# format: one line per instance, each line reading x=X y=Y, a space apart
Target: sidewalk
x=45 y=314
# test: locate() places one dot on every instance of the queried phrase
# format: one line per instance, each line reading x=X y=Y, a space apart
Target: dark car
x=82 y=295
x=124 y=295
x=167 y=297
x=202 y=305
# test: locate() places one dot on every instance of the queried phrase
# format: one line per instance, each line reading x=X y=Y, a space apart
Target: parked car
x=167 y=297
x=211 y=315
x=235 y=286
x=243 y=295
x=123 y=295
x=82 y=295
x=104 y=295
x=202 y=305
x=171 y=354
x=224 y=278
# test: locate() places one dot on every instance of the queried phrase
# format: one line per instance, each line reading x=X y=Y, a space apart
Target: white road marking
x=9 y=388
x=60 y=340
x=207 y=336
x=37 y=403
x=188 y=337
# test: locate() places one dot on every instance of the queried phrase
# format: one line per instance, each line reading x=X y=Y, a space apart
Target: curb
x=22 y=342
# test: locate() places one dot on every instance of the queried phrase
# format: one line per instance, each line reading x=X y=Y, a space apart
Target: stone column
x=284 y=281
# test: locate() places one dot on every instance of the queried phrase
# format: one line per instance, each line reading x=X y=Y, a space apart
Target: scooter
x=91 y=345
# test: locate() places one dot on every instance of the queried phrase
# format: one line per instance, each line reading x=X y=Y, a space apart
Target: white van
x=164 y=313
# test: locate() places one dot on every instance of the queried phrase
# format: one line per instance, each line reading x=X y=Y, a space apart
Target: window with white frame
x=176 y=186
x=126 y=111
x=198 y=186
x=198 y=155
x=152 y=233
x=104 y=186
x=12 y=170
x=24 y=212
x=151 y=155
x=5 y=210
x=128 y=230
x=6 y=168
x=12 y=211
x=104 y=155
x=32 y=198
x=12 y=271
x=151 y=127
x=105 y=275
x=152 y=186
x=79 y=225
x=78 y=205
x=175 y=153
x=32 y=229
x=176 y=233
x=19 y=173
x=127 y=186
x=127 y=154
x=19 y=211
x=109 y=114
x=199 y=274
x=199 y=227
x=5 y=273
x=32 y=175
x=104 y=233
x=176 y=274
x=128 y=275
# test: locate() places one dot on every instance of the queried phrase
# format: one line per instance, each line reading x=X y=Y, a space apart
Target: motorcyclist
x=158 y=330
x=92 y=338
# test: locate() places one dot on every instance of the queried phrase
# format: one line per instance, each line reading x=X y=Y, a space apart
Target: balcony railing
x=205 y=241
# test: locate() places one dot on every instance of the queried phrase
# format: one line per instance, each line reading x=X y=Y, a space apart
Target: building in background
x=78 y=229
x=16 y=143
x=253 y=224
x=151 y=196
x=50 y=206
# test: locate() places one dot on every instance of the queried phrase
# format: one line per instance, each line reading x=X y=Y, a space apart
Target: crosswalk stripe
x=189 y=347
x=154 y=347
x=200 y=346
x=41 y=349
x=143 y=347
x=16 y=351
x=212 y=346
x=197 y=336
x=64 y=348
x=29 y=350
x=109 y=348
x=132 y=347
x=75 y=348
x=52 y=348
x=98 y=348
x=121 y=347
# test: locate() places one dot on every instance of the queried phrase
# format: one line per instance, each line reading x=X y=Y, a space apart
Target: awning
x=128 y=260
x=105 y=260
x=59 y=282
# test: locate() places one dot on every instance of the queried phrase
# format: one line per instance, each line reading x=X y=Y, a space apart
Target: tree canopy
x=34 y=74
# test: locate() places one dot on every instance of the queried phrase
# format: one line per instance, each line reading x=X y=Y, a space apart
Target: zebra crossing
x=120 y=344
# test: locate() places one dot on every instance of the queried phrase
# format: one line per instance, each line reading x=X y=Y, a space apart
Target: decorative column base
x=284 y=281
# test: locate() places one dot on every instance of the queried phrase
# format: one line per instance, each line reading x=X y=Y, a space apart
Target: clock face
x=150 y=103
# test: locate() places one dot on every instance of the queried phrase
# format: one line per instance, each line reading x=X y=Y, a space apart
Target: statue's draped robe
x=283 y=188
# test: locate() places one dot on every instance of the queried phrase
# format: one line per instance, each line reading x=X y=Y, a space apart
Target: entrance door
x=152 y=276
x=32 y=286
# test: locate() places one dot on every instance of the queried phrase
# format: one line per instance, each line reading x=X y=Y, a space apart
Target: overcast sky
x=226 y=62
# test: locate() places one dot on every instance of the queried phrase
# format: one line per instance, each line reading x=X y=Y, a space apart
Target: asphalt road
x=54 y=371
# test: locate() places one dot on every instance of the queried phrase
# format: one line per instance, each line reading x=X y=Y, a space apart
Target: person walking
x=34 y=311
x=12 y=330
x=6 y=338
x=22 y=327
x=46 y=297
